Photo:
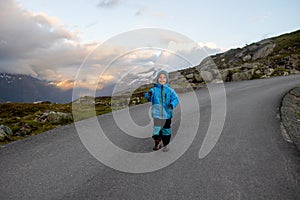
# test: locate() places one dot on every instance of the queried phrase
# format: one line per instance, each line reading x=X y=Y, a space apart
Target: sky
x=51 y=39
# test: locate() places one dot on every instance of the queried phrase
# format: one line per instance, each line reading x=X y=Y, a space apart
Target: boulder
x=5 y=131
x=258 y=72
x=246 y=58
x=206 y=64
x=264 y=51
x=54 y=117
x=268 y=71
x=238 y=76
x=198 y=78
x=285 y=73
x=294 y=71
x=215 y=72
x=224 y=74
x=24 y=130
x=189 y=76
x=249 y=65
x=178 y=80
x=207 y=76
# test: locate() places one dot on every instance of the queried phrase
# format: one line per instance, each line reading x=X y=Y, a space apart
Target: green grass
x=288 y=40
x=14 y=115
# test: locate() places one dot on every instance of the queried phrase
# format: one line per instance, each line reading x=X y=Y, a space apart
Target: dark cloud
x=23 y=32
x=36 y=44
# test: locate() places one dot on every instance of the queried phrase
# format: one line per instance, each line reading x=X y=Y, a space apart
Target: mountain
x=132 y=81
x=277 y=56
x=24 y=88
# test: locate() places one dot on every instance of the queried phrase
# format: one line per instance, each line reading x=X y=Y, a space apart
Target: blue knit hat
x=162 y=72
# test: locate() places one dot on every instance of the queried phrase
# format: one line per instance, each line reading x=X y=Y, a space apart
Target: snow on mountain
x=25 y=88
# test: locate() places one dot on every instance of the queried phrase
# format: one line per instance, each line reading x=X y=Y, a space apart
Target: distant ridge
x=25 y=88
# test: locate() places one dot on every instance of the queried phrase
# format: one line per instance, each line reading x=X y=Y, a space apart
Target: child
x=164 y=100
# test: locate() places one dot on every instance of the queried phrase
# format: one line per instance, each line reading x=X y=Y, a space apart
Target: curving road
x=250 y=160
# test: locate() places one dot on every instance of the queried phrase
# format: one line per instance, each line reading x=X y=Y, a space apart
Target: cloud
x=36 y=30
x=65 y=84
x=185 y=52
x=212 y=47
x=108 y=3
x=39 y=45
x=126 y=70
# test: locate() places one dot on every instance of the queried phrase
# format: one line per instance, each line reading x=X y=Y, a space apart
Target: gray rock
x=206 y=64
x=207 y=76
x=246 y=58
x=224 y=74
x=215 y=72
x=53 y=117
x=238 y=76
x=216 y=80
x=189 y=76
x=174 y=75
x=264 y=51
x=258 y=72
x=268 y=71
x=178 y=80
x=294 y=71
x=5 y=131
x=198 y=78
x=24 y=130
x=249 y=65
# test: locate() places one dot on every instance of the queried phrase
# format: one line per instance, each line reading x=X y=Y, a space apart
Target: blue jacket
x=162 y=98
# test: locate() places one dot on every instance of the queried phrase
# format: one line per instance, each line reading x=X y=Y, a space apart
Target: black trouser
x=164 y=124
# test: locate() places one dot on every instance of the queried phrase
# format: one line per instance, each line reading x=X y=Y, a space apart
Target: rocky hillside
x=277 y=56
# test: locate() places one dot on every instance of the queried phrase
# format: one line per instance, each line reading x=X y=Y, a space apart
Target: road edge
x=290 y=116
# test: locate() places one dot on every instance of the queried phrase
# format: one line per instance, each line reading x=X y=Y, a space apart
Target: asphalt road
x=249 y=161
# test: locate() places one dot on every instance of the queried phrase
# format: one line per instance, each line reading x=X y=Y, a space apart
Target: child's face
x=162 y=79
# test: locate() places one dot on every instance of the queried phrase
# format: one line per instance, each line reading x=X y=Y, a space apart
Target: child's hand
x=149 y=93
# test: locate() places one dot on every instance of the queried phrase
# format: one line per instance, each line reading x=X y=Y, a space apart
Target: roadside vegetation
x=27 y=119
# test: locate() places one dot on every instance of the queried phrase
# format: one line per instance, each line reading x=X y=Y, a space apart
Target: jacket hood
x=162 y=72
